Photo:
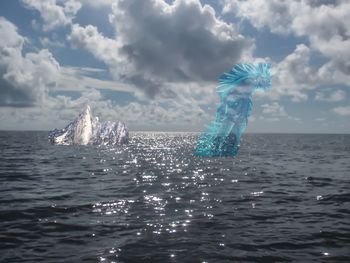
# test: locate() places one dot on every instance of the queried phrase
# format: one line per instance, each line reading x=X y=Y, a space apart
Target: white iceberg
x=87 y=130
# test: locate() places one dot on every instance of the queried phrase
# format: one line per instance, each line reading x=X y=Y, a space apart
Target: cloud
x=24 y=80
x=78 y=79
x=103 y=48
x=343 y=111
x=275 y=112
x=337 y=95
x=97 y=3
x=273 y=14
x=293 y=73
x=159 y=43
x=47 y=42
x=274 y=109
x=54 y=14
x=28 y=79
x=154 y=115
x=31 y=79
x=295 y=76
x=324 y=23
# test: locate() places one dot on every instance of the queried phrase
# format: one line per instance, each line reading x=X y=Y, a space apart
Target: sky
x=154 y=64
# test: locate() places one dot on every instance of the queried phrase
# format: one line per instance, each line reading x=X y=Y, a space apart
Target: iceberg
x=87 y=130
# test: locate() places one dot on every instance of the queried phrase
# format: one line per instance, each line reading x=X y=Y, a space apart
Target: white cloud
x=324 y=24
x=31 y=78
x=158 y=44
x=174 y=50
x=343 y=111
x=154 y=115
x=337 y=95
x=276 y=112
x=97 y=3
x=24 y=80
x=262 y=13
x=101 y=47
x=54 y=13
x=274 y=109
x=9 y=38
x=294 y=76
x=47 y=42
x=78 y=79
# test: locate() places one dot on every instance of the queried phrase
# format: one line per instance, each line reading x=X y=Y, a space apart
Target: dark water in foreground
x=284 y=198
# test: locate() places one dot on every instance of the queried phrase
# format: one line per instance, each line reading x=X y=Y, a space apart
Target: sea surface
x=284 y=198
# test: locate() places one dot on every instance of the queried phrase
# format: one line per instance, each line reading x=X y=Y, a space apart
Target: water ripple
x=285 y=198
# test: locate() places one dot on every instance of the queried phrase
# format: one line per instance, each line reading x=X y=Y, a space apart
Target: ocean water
x=284 y=198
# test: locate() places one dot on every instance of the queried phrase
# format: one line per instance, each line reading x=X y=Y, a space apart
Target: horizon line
x=198 y=132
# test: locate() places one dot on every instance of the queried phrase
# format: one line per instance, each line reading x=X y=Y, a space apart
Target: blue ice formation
x=236 y=89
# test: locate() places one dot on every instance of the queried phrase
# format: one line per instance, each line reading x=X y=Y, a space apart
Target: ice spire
x=86 y=129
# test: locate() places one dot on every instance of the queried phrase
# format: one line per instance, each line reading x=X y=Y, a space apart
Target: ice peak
x=86 y=129
x=86 y=110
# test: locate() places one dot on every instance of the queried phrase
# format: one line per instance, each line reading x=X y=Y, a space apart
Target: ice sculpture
x=236 y=89
x=86 y=129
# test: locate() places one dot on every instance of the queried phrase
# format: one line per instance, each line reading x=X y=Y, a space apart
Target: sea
x=283 y=198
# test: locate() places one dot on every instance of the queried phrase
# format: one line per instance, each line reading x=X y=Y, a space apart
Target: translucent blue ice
x=236 y=89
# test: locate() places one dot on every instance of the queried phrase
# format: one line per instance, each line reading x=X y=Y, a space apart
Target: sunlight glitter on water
x=152 y=199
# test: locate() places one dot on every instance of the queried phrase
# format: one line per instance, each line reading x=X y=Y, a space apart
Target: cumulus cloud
x=329 y=96
x=31 y=79
x=24 y=79
x=54 y=13
x=324 y=23
x=103 y=48
x=80 y=78
x=274 y=109
x=273 y=14
x=158 y=43
x=47 y=42
x=343 y=111
x=171 y=50
x=97 y=3
x=295 y=75
x=275 y=112
x=154 y=115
